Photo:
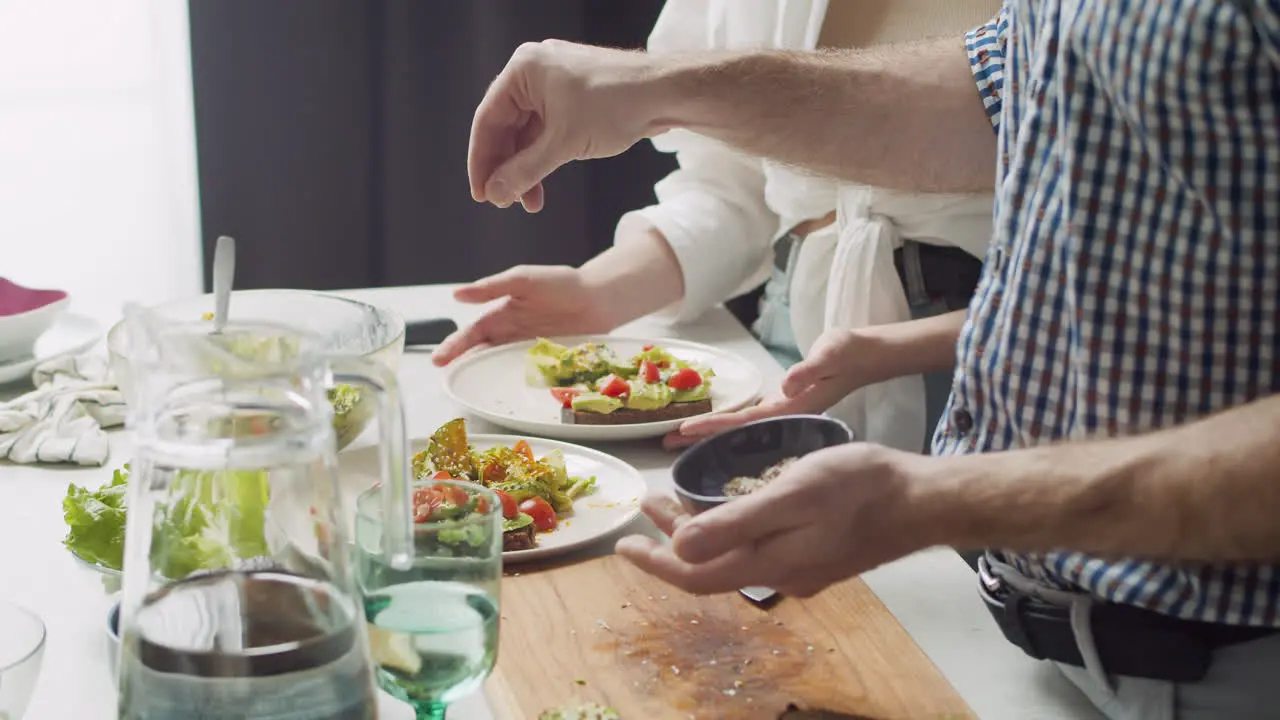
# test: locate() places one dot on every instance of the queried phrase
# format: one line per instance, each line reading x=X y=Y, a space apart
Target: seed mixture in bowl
x=745 y=485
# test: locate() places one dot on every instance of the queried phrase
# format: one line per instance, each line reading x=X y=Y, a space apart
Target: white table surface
x=931 y=593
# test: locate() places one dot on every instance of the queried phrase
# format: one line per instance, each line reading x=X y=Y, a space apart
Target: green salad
x=212 y=519
x=275 y=350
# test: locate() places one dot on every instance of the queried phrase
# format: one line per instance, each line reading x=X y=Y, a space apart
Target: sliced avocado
x=702 y=392
x=551 y=362
x=622 y=369
x=649 y=396
x=656 y=355
x=596 y=402
x=519 y=521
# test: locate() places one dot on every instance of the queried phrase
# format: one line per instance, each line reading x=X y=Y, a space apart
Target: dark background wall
x=332 y=138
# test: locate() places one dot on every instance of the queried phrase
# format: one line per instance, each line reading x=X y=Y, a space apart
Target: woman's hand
x=839 y=362
x=536 y=300
x=638 y=275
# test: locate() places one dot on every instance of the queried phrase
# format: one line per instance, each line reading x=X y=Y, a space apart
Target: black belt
x=1130 y=641
x=935 y=271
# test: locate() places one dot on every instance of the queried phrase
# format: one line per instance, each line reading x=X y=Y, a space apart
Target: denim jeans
x=773 y=327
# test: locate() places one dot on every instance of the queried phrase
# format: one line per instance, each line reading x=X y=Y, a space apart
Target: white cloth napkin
x=63 y=419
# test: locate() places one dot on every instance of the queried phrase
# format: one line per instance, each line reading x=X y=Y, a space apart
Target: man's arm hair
x=1208 y=491
x=906 y=117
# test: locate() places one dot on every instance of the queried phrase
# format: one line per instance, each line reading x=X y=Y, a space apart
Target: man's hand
x=839 y=362
x=831 y=515
x=554 y=102
x=537 y=300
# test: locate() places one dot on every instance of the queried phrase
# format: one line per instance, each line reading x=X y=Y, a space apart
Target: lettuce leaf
x=96 y=520
x=208 y=521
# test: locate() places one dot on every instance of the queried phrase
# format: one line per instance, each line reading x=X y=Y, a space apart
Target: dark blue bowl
x=701 y=472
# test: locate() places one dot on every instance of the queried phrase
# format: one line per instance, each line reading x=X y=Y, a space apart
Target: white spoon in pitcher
x=224 y=274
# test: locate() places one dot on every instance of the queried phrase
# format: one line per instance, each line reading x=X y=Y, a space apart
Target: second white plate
x=613 y=505
x=491 y=384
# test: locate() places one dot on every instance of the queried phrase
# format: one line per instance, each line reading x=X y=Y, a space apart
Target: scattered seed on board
x=626 y=605
x=809 y=649
x=738 y=683
x=675 y=669
x=777 y=652
x=730 y=692
x=693 y=622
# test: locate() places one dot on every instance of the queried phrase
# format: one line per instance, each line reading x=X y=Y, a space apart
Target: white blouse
x=721 y=211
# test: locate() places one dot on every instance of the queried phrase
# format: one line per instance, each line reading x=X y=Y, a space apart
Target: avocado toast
x=595 y=386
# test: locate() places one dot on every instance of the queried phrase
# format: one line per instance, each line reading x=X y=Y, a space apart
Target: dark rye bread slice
x=521 y=538
x=627 y=416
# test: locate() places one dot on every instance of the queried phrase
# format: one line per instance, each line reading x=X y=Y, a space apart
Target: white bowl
x=344 y=326
x=22 y=636
x=25 y=314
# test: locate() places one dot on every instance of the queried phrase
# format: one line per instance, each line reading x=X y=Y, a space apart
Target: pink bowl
x=25 y=314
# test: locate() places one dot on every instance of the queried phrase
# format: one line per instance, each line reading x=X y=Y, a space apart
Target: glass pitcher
x=239 y=597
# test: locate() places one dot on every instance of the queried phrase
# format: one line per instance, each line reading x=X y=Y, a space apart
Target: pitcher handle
x=397 y=485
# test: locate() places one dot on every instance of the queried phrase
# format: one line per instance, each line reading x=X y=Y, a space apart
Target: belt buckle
x=1014 y=603
x=988 y=580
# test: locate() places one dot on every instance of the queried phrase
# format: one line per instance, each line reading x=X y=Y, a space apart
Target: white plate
x=612 y=506
x=69 y=334
x=491 y=384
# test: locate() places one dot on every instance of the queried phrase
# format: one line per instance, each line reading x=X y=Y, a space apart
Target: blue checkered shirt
x=1133 y=281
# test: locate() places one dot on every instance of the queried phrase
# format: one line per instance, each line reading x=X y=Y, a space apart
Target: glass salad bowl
x=347 y=327
x=22 y=636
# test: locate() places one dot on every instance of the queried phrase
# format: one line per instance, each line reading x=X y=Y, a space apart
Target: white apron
x=862 y=288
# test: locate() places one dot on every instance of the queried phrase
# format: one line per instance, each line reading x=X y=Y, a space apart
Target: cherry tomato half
x=565 y=395
x=509 y=508
x=647 y=348
x=614 y=386
x=425 y=502
x=685 y=379
x=494 y=472
x=442 y=475
x=453 y=495
x=649 y=371
x=544 y=516
x=523 y=448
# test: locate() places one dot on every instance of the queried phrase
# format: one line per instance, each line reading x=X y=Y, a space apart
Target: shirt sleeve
x=712 y=209
x=985 y=45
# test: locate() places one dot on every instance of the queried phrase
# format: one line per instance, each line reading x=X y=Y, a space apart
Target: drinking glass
x=433 y=628
x=22 y=637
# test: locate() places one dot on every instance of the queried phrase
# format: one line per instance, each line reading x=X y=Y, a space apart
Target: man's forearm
x=907 y=116
x=638 y=275
x=1207 y=491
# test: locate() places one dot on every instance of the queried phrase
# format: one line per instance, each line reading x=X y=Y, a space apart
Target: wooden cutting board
x=602 y=631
